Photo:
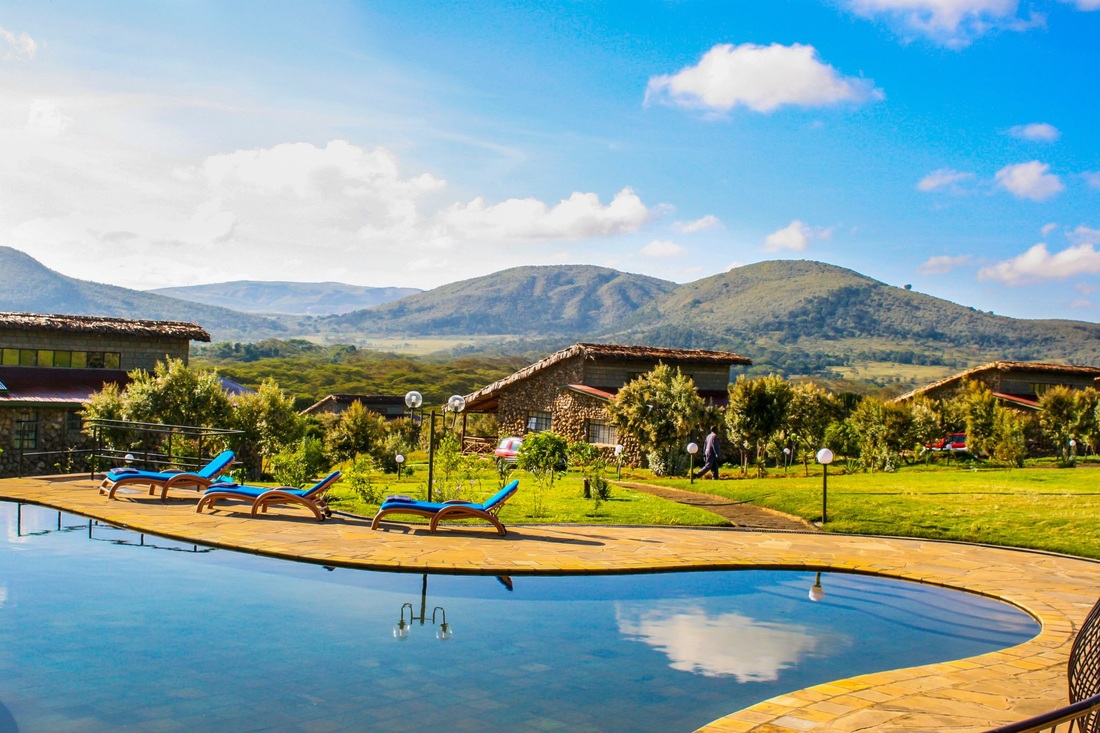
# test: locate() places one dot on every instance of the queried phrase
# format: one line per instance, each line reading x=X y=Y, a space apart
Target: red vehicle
x=954 y=443
x=506 y=451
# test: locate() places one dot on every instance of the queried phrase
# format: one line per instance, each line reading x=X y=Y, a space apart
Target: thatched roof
x=1005 y=366
x=486 y=394
x=103 y=325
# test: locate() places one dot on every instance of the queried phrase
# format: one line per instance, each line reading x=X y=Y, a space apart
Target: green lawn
x=1037 y=507
x=564 y=503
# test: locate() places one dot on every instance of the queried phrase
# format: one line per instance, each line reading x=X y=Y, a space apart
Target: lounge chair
x=261 y=497
x=165 y=480
x=449 y=509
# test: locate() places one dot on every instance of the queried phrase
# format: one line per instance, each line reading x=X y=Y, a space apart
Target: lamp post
x=692 y=449
x=400 y=461
x=816 y=591
x=1072 y=452
x=618 y=461
x=456 y=404
x=786 y=456
x=824 y=457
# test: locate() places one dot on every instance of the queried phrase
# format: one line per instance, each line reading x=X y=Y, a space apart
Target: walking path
x=739 y=513
x=963 y=696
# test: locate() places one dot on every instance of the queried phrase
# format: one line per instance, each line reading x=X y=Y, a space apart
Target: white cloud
x=1029 y=181
x=663 y=248
x=716 y=645
x=1036 y=132
x=577 y=217
x=953 y=23
x=942 y=178
x=1085 y=4
x=710 y=221
x=942 y=264
x=46 y=119
x=796 y=236
x=1084 y=235
x=762 y=78
x=1048 y=228
x=1039 y=264
x=1093 y=177
x=19 y=47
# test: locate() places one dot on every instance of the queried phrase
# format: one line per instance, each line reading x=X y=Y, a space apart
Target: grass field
x=1044 y=508
x=1039 y=507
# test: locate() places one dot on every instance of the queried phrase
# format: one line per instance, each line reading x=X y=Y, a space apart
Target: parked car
x=507 y=450
x=954 y=443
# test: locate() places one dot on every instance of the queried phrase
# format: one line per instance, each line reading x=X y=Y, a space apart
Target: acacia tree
x=659 y=410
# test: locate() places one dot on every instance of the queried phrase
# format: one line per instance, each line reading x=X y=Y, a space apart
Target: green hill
x=314 y=299
x=804 y=316
x=29 y=286
x=567 y=300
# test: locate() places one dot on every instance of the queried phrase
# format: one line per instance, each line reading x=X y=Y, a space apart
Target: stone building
x=568 y=391
x=1017 y=384
x=50 y=364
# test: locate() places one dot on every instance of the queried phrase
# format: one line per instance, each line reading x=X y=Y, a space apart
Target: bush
x=300 y=466
x=359 y=476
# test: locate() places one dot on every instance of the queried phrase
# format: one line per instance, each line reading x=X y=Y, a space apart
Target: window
x=73 y=422
x=26 y=430
x=602 y=432
x=538 y=422
x=51 y=358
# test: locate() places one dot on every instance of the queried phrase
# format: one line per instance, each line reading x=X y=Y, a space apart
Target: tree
x=757 y=409
x=978 y=407
x=356 y=430
x=268 y=419
x=1009 y=439
x=1059 y=418
x=541 y=455
x=1088 y=418
x=882 y=431
x=175 y=394
x=659 y=410
x=809 y=413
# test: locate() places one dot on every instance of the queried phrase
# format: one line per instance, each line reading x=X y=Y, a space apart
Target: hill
x=570 y=301
x=314 y=299
x=804 y=316
x=30 y=286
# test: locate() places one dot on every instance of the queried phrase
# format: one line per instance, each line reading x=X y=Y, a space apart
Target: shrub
x=359 y=476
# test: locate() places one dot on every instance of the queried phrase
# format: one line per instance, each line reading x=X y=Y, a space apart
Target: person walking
x=710 y=454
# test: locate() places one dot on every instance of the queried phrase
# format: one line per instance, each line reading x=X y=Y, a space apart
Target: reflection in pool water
x=102 y=629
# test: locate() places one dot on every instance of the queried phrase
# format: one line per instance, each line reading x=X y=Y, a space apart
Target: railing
x=153 y=446
x=145 y=445
x=1084 y=715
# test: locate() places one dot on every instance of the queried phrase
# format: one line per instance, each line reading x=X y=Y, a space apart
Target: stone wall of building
x=136 y=352
x=53 y=433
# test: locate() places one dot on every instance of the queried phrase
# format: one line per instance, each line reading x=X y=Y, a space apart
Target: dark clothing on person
x=710 y=456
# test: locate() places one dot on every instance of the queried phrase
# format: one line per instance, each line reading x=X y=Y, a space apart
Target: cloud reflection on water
x=716 y=645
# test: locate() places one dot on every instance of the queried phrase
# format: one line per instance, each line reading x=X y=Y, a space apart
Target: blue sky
x=947 y=144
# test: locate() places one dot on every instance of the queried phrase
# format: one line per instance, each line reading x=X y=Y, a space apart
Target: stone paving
x=962 y=696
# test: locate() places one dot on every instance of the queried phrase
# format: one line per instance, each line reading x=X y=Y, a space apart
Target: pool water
x=103 y=629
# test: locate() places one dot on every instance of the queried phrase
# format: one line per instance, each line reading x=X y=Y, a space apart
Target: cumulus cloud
x=941 y=179
x=762 y=78
x=1042 y=132
x=1039 y=264
x=953 y=23
x=1030 y=180
x=16 y=47
x=710 y=221
x=663 y=248
x=577 y=217
x=796 y=237
x=943 y=264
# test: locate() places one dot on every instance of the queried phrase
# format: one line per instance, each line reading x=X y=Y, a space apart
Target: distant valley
x=790 y=317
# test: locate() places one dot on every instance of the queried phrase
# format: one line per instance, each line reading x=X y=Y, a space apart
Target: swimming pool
x=102 y=629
